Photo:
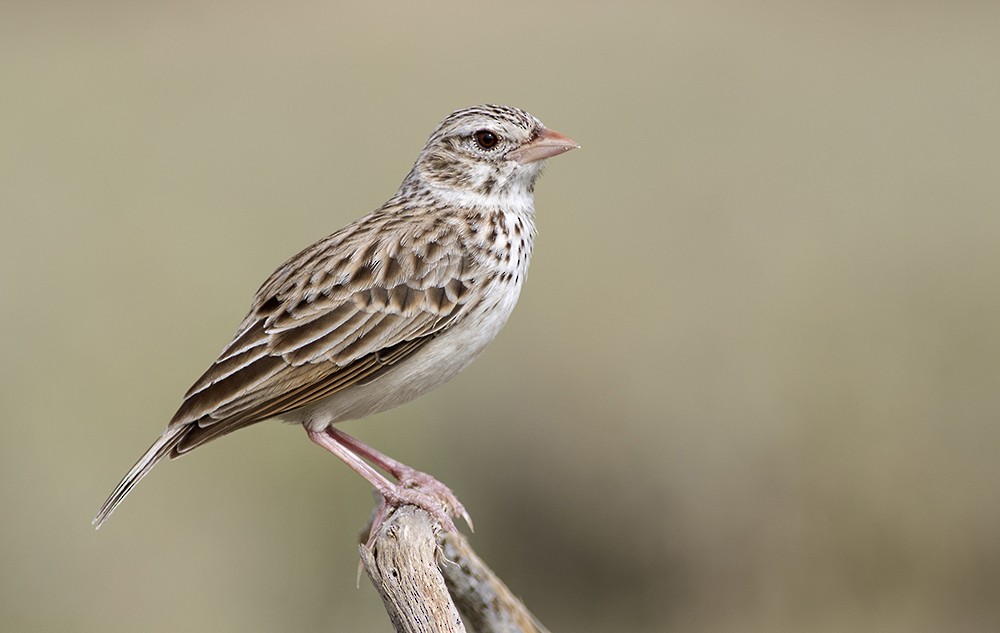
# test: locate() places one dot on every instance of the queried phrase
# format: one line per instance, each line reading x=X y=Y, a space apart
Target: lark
x=383 y=310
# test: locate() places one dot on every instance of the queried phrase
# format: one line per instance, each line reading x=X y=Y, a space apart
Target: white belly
x=429 y=367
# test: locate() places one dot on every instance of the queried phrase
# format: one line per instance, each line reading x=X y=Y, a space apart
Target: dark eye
x=486 y=139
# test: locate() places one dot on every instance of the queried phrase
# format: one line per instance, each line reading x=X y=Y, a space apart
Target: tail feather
x=161 y=448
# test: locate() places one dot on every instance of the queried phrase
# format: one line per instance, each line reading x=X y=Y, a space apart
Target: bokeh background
x=753 y=383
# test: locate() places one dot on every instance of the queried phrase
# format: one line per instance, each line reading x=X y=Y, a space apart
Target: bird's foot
x=412 y=479
x=418 y=489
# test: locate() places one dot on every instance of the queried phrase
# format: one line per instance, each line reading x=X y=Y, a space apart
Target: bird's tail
x=160 y=449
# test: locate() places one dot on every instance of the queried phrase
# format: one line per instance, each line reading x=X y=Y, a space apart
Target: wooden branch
x=485 y=601
x=402 y=564
x=413 y=566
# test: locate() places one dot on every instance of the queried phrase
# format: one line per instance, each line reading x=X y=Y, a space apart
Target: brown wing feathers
x=301 y=343
x=337 y=314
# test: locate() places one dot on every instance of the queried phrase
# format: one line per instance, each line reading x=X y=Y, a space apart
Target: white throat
x=516 y=201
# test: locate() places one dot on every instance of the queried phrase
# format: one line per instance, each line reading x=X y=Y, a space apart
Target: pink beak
x=547 y=144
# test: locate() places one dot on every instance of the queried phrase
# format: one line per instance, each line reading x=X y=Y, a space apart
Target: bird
x=383 y=310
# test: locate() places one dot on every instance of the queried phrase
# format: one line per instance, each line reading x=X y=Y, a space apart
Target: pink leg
x=408 y=477
x=413 y=487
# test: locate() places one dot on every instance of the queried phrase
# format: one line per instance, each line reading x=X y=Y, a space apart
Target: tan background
x=752 y=385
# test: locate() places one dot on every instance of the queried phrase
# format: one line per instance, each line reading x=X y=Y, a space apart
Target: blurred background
x=752 y=384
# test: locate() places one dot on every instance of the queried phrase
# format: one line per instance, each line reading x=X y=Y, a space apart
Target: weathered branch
x=482 y=598
x=402 y=564
x=414 y=567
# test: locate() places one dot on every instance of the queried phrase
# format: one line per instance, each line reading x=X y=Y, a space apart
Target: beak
x=547 y=144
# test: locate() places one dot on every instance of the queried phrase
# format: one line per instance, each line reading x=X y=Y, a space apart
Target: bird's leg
x=413 y=487
x=406 y=476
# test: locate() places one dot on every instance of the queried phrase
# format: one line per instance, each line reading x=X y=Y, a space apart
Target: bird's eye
x=486 y=139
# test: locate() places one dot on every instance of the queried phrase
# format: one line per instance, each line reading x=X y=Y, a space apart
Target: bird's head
x=487 y=154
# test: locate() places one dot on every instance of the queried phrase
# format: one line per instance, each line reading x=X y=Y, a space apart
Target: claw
x=438 y=504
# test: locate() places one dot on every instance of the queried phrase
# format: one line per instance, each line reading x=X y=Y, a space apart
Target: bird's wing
x=334 y=315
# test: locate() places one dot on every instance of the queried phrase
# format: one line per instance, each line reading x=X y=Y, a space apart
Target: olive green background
x=753 y=382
